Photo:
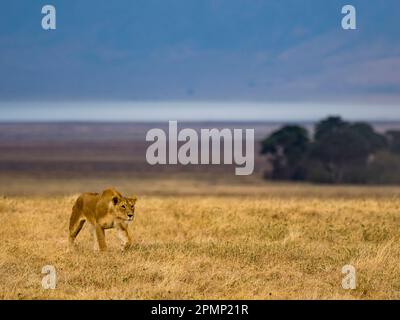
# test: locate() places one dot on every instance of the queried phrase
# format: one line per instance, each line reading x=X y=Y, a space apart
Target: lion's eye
x=123 y=207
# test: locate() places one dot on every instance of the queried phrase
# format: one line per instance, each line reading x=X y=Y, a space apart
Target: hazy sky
x=289 y=51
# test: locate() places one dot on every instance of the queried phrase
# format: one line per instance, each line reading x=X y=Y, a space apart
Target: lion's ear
x=133 y=198
x=115 y=200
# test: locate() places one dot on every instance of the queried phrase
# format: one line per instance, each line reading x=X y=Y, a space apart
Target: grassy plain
x=196 y=240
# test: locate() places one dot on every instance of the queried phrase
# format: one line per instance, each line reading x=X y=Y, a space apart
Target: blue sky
x=270 y=52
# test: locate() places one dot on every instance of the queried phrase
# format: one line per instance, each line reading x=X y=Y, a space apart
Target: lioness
x=103 y=211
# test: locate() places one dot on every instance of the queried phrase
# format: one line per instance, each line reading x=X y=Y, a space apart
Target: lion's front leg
x=94 y=237
x=101 y=239
x=123 y=235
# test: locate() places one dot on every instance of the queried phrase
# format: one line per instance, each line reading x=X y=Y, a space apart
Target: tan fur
x=103 y=211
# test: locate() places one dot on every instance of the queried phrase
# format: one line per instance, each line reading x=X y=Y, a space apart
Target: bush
x=384 y=169
x=317 y=173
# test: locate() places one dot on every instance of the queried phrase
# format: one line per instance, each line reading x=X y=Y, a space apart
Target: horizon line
x=193 y=111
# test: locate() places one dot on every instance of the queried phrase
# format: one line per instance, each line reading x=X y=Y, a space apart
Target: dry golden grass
x=269 y=245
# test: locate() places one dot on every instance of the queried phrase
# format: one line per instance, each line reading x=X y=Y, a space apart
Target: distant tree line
x=337 y=152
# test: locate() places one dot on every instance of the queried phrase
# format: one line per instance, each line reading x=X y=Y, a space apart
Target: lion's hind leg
x=76 y=221
x=74 y=231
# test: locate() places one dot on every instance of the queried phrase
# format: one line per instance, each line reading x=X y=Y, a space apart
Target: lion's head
x=124 y=208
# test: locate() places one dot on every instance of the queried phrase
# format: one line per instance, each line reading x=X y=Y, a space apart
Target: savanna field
x=196 y=240
x=199 y=232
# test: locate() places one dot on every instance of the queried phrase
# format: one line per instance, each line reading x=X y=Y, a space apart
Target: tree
x=340 y=146
x=376 y=141
x=341 y=152
x=287 y=149
x=393 y=137
x=336 y=151
x=329 y=126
